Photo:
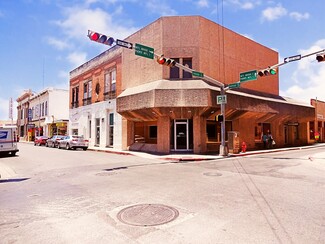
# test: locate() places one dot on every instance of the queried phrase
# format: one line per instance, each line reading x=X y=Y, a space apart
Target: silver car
x=73 y=142
x=54 y=141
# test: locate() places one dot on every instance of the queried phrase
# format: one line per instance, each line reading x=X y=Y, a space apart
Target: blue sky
x=43 y=40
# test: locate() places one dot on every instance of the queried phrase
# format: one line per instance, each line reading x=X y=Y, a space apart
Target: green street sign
x=197 y=73
x=234 y=85
x=248 y=76
x=144 y=51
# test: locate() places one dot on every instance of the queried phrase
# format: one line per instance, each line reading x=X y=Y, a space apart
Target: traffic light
x=97 y=37
x=266 y=72
x=219 y=118
x=320 y=57
x=166 y=61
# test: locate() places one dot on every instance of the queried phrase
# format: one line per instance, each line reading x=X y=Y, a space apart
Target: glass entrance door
x=181 y=136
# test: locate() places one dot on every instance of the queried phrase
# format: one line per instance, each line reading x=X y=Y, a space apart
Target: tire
x=67 y=146
x=13 y=153
x=85 y=148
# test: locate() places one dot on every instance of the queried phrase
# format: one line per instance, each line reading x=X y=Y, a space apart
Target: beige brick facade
x=164 y=109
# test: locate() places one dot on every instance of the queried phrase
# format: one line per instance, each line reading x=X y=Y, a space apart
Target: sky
x=43 y=40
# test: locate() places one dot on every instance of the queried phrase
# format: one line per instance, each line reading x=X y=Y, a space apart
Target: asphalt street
x=61 y=196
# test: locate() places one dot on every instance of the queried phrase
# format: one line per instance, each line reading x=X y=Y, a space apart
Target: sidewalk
x=199 y=157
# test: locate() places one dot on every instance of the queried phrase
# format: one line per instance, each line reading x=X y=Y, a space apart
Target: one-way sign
x=292 y=58
x=121 y=43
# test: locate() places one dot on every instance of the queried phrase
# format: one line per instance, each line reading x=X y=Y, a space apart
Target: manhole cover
x=147 y=214
x=212 y=174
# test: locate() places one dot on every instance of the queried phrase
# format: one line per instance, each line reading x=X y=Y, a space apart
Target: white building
x=48 y=112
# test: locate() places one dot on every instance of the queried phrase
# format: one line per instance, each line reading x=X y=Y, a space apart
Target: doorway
x=182 y=138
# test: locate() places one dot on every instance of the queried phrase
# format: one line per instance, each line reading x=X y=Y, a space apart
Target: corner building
x=164 y=110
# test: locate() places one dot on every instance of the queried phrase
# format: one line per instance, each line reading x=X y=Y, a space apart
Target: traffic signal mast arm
x=295 y=59
x=183 y=67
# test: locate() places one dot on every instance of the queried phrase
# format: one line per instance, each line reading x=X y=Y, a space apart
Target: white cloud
x=242 y=4
x=203 y=3
x=79 y=20
x=309 y=77
x=248 y=5
x=299 y=16
x=58 y=44
x=273 y=13
x=160 y=7
x=77 y=58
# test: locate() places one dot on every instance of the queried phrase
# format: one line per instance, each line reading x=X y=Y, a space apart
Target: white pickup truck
x=8 y=140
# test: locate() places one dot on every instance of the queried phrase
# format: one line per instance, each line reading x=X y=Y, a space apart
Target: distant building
x=44 y=113
x=121 y=100
x=22 y=114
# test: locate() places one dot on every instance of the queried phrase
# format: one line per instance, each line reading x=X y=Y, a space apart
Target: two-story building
x=163 y=109
x=47 y=113
x=22 y=114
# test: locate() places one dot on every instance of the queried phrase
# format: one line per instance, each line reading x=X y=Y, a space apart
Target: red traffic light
x=97 y=37
x=161 y=60
x=166 y=61
x=93 y=36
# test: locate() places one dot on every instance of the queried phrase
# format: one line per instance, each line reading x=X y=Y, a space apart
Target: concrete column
x=199 y=134
x=127 y=133
x=163 y=137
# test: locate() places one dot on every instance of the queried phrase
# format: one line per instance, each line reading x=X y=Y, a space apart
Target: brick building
x=160 y=109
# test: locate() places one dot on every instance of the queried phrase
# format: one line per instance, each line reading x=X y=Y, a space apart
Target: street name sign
x=144 y=51
x=124 y=44
x=292 y=58
x=234 y=85
x=197 y=73
x=248 y=76
x=222 y=99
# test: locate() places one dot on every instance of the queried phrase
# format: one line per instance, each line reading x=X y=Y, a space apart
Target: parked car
x=73 y=142
x=40 y=140
x=53 y=141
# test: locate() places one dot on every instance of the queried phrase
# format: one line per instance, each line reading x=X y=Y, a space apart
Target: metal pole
x=223 y=149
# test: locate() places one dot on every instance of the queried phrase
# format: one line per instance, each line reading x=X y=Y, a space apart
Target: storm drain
x=147 y=214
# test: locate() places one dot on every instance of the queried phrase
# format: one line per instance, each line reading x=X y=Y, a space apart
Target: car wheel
x=84 y=149
x=67 y=146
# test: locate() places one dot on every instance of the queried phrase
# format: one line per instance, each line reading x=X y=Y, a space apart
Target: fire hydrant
x=243 y=147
